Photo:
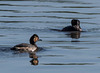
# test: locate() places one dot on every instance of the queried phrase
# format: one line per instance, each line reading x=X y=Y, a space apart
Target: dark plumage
x=75 y=26
x=27 y=47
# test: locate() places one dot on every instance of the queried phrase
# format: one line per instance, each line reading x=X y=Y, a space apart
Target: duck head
x=75 y=22
x=34 y=38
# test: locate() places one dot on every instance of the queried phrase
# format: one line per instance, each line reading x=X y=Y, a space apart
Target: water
x=62 y=51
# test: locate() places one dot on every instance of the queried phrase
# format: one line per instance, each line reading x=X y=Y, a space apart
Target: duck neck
x=32 y=42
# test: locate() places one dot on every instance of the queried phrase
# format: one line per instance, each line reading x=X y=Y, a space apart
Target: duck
x=24 y=47
x=75 y=26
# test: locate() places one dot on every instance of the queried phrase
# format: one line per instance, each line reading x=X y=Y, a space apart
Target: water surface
x=62 y=51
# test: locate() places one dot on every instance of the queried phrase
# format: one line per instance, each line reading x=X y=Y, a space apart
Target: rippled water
x=62 y=51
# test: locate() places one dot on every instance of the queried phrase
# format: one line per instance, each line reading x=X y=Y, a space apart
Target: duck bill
x=40 y=40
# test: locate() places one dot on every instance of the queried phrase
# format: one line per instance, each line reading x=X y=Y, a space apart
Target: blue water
x=62 y=52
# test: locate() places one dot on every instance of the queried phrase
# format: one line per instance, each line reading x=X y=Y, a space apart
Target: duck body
x=71 y=28
x=25 y=47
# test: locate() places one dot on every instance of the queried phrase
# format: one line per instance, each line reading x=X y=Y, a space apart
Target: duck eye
x=35 y=39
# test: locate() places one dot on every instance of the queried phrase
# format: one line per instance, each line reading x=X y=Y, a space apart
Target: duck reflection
x=34 y=57
x=75 y=35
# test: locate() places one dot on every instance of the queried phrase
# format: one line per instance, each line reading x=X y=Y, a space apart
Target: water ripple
x=69 y=64
x=27 y=5
x=14 y=11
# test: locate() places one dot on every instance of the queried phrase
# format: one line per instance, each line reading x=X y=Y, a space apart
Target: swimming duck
x=28 y=47
x=74 y=27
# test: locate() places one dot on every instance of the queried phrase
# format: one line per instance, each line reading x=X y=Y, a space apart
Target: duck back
x=24 y=47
